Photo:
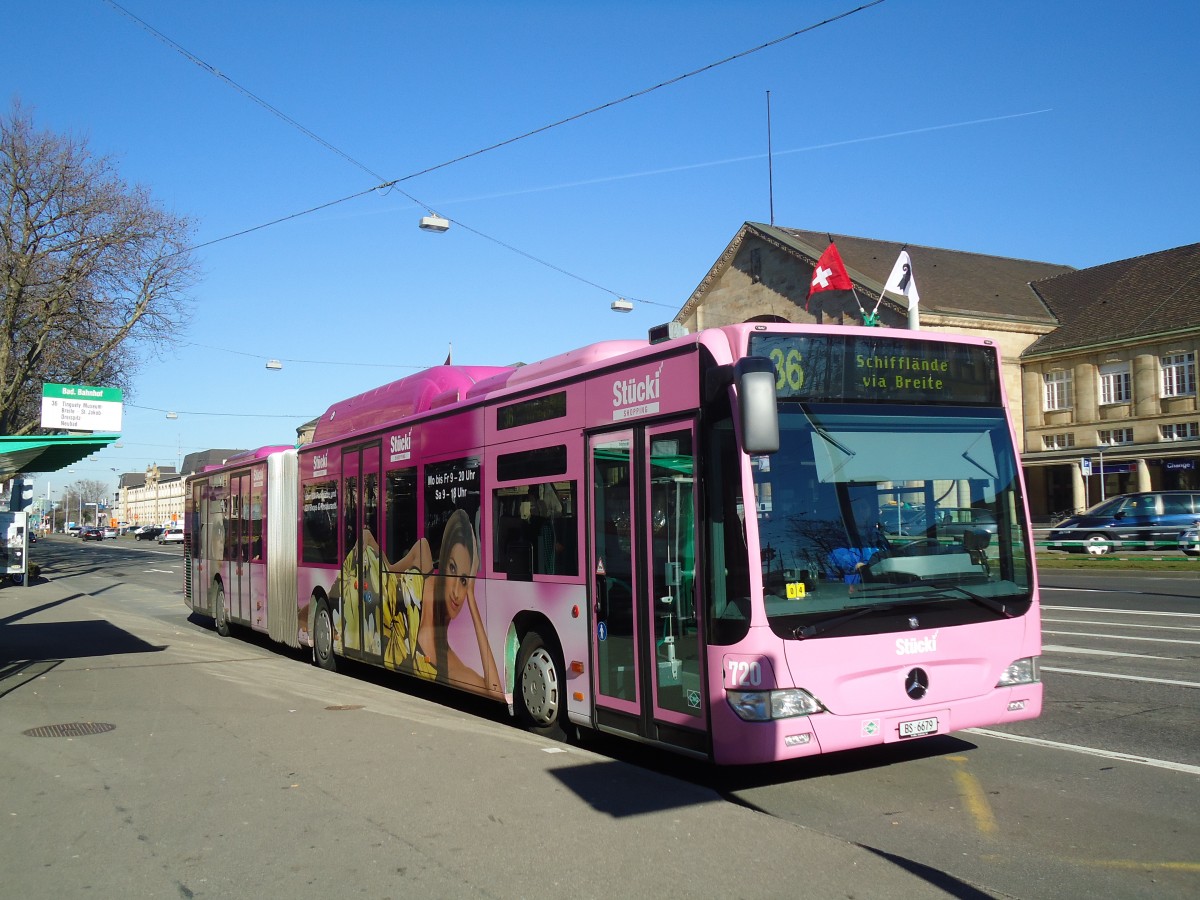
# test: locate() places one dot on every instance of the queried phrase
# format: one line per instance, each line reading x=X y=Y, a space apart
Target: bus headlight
x=762 y=706
x=1020 y=671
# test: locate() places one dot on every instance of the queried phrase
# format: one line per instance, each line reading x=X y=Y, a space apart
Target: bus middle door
x=361 y=560
x=237 y=535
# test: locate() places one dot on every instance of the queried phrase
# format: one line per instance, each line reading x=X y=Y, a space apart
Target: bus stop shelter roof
x=48 y=452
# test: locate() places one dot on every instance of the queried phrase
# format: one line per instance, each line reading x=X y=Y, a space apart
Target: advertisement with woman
x=427 y=590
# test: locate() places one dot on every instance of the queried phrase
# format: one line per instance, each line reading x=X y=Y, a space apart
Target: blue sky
x=1056 y=131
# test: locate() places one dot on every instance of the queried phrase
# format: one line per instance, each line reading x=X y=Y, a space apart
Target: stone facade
x=158 y=500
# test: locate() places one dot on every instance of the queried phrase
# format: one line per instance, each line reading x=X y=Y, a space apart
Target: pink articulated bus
x=754 y=543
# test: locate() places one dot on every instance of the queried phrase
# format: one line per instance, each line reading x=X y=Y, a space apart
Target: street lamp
x=435 y=223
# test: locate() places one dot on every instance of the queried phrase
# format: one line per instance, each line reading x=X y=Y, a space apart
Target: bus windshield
x=868 y=508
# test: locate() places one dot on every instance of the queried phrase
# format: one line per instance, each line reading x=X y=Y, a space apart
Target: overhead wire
x=392 y=184
x=643 y=92
x=254 y=415
x=310 y=362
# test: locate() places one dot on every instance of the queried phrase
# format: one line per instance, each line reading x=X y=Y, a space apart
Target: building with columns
x=1116 y=379
x=156 y=496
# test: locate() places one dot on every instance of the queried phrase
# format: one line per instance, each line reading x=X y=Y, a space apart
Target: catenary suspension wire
x=192 y=412
x=388 y=185
x=643 y=92
x=309 y=362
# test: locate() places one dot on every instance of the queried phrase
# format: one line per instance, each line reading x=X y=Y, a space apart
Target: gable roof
x=951 y=282
x=1143 y=297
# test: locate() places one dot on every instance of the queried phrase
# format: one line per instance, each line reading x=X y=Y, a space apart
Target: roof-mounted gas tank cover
x=666 y=331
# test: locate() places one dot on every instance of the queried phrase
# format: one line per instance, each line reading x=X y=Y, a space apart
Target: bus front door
x=646 y=635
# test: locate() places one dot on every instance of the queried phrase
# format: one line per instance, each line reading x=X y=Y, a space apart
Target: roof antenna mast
x=770 y=162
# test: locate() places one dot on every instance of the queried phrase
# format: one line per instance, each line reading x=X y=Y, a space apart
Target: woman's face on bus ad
x=455 y=577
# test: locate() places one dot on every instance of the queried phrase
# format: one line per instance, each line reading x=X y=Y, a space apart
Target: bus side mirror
x=754 y=378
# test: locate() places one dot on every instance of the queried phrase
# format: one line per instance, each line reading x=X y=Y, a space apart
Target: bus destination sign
x=879 y=370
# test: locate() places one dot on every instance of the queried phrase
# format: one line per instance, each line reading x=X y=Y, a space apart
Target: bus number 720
x=744 y=672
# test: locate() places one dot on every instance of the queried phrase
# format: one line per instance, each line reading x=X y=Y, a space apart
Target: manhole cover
x=69 y=729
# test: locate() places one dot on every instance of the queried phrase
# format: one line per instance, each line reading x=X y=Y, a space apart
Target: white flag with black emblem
x=901 y=281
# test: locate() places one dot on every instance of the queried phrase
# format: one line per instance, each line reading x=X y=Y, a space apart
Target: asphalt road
x=1096 y=797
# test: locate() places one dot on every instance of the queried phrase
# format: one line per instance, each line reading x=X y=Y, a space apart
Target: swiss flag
x=829 y=275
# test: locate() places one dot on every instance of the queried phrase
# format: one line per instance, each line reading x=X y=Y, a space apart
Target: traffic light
x=21 y=496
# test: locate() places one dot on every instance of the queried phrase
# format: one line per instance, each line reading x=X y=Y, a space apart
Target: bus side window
x=512 y=548
x=534 y=531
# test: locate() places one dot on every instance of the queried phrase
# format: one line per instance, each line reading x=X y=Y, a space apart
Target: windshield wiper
x=820 y=429
x=806 y=631
x=1001 y=609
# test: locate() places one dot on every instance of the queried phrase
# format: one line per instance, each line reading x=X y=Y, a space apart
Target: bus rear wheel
x=221 y=614
x=323 y=654
x=540 y=698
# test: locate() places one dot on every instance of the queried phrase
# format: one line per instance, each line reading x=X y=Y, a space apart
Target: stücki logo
x=909 y=646
x=400 y=446
x=320 y=463
x=637 y=396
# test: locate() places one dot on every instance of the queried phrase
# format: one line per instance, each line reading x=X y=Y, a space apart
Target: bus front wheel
x=323 y=654
x=540 y=697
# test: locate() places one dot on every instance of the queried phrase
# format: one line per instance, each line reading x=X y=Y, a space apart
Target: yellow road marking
x=973 y=797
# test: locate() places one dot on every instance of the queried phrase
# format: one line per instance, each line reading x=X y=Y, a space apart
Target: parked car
x=171 y=536
x=147 y=533
x=950 y=522
x=92 y=534
x=1149 y=520
x=1189 y=540
x=955 y=521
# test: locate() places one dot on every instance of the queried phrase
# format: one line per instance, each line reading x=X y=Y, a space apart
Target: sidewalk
x=142 y=755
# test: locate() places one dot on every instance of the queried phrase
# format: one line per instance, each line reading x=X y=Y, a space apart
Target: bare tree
x=82 y=500
x=93 y=275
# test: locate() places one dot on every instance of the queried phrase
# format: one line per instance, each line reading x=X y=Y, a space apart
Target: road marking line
x=1090 y=751
x=1184 y=628
x=1120 y=677
x=1122 y=637
x=973 y=797
x=1124 y=612
x=1063 y=648
x=1137 y=865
